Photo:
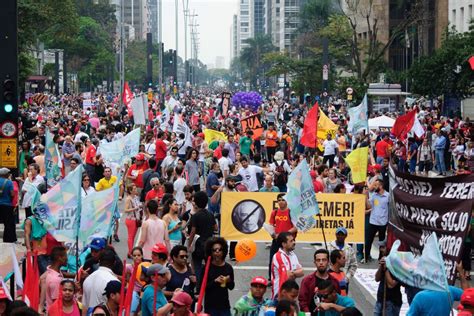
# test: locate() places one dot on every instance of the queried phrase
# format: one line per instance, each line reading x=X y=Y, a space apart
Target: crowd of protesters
x=171 y=193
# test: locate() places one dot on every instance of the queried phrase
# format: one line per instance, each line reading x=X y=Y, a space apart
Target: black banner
x=420 y=206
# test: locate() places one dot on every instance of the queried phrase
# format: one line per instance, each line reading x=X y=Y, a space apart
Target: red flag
x=203 y=286
x=127 y=97
x=31 y=290
x=471 y=62
x=122 y=289
x=403 y=125
x=128 y=297
x=310 y=128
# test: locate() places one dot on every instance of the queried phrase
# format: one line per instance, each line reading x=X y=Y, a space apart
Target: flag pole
x=322 y=230
x=203 y=286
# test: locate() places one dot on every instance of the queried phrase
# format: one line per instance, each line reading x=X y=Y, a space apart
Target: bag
x=3 y=186
x=281 y=177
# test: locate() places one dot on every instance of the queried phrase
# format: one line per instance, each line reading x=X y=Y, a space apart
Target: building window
x=461 y=20
x=453 y=17
x=470 y=13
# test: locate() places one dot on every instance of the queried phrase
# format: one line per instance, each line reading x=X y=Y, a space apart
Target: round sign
x=349 y=90
x=248 y=216
x=325 y=94
x=8 y=129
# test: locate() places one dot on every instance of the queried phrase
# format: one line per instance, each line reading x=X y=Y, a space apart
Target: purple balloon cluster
x=251 y=100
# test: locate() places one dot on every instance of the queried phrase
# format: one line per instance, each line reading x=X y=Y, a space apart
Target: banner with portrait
x=243 y=215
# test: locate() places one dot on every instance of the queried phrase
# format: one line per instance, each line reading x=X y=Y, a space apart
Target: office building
x=460 y=14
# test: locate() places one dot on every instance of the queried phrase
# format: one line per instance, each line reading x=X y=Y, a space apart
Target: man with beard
x=312 y=281
x=285 y=264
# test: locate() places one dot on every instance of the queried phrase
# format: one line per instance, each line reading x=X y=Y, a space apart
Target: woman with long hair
x=133 y=215
x=174 y=224
x=137 y=257
x=193 y=170
x=87 y=188
x=220 y=278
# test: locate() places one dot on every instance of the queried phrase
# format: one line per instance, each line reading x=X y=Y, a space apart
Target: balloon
x=245 y=250
x=139 y=271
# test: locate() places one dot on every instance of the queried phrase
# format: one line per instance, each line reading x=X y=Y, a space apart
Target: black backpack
x=282 y=177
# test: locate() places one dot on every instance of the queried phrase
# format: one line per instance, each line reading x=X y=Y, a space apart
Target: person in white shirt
x=94 y=285
x=330 y=150
x=36 y=180
x=285 y=264
x=179 y=185
x=170 y=161
x=225 y=162
x=249 y=174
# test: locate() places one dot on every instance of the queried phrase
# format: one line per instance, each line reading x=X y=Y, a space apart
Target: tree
x=251 y=58
x=446 y=71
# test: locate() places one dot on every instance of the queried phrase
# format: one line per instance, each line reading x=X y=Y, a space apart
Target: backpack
x=282 y=177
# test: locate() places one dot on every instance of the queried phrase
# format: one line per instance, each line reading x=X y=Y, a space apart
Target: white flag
x=417 y=129
x=138 y=111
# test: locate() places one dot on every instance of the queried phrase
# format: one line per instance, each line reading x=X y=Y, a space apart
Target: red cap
x=200 y=135
x=312 y=173
x=3 y=294
x=159 y=248
x=182 y=298
x=377 y=167
x=259 y=280
x=467 y=297
x=140 y=157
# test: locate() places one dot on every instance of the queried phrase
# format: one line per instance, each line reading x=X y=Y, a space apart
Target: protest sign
x=254 y=123
x=118 y=151
x=243 y=216
x=52 y=160
x=301 y=198
x=358 y=117
x=421 y=206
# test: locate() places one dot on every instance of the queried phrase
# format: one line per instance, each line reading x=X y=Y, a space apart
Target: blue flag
x=52 y=160
x=301 y=198
x=426 y=271
x=118 y=151
x=358 y=117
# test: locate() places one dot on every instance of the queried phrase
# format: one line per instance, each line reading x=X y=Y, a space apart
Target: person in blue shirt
x=438 y=303
x=439 y=146
x=412 y=153
x=6 y=207
x=330 y=303
x=159 y=274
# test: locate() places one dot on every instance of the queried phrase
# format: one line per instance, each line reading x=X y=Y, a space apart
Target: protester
x=67 y=305
x=157 y=277
x=173 y=223
x=110 y=307
x=182 y=304
x=182 y=275
x=7 y=214
x=133 y=216
x=50 y=287
x=338 y=260
x=285 y=264
x=154 y=230
x=350 y=266
x=253 y=302
x=389 y=296
x=330 y=302
x=378 y=217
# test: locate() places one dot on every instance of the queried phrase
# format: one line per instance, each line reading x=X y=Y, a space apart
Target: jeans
x=440 y=165
x=390 y=309
x=379 y=160
x=401 y=165
x=132 y=232
x=329 y=158
x=371 y=231
x=412 y=165
x=270 y=153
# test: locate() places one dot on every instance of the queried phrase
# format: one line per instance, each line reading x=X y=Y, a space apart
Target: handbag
x=138 y=219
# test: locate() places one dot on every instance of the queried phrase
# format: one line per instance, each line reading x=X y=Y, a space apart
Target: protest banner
x=358 y=117
x=357 y=161
x=52 y=160
x=325 y=127
x=244 y=213
x=421 y=206
x=301 y=198
x=254 y=123
x=118 y=151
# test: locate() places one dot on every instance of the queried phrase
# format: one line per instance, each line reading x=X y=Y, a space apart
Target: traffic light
x=9 y=95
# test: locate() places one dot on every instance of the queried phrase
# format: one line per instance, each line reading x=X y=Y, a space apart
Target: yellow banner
x=243 y=215
x=325 y=127
x=210 y=135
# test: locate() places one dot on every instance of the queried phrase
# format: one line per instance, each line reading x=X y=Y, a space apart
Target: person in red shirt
x=281 y=221
x=161 y=149
x=135 y=172
x=383 y=148
x=91 y=158
x=157 y=191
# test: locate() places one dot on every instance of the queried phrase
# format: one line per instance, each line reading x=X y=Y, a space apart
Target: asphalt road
x=258 y=266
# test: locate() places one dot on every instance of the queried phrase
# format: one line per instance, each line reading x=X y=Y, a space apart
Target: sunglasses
x=216 y=249
x=184 y=257
x=155 y=185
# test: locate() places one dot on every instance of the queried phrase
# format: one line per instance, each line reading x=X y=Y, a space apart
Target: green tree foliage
x=447 y=70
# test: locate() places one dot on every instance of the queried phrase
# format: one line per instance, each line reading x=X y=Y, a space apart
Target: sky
x=215 y=21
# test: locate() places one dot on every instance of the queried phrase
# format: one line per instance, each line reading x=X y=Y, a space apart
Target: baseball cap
x=3 y=294
x=259 y=280
x=112 y=287
x=97 y=244
x=200 y=135
x=155 y=269
x=159 y=248
x=182 y=298
x=4 y=171
x=467 y=297
x=341 y=230
x=140 y=156
x=377 y=167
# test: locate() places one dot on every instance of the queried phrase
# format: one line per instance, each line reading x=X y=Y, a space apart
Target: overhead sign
x=8 y=153
x=245 y=213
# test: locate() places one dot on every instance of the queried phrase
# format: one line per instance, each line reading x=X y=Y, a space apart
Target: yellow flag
x=211 y=135
x=357 y=160
x=325 y=127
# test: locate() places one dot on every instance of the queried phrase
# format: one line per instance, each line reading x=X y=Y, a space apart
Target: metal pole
x=176 y=26
x=122 y=51
x=160 y=39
